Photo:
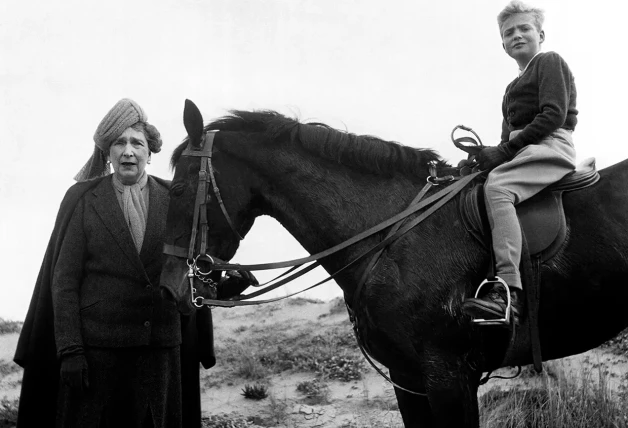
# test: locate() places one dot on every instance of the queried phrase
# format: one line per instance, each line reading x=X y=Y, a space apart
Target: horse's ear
x=193 y=121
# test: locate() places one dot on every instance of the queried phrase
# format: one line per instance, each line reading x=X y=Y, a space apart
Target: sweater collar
x=528 y=64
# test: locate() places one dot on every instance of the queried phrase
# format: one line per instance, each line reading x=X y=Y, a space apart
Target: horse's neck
x=324 y=204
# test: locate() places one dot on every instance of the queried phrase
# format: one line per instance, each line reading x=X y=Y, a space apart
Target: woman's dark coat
x=36 y=350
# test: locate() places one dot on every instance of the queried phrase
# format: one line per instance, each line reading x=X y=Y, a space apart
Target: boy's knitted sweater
x=540 y=101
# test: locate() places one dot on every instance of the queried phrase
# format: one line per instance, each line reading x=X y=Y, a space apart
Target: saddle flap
x=542 y=217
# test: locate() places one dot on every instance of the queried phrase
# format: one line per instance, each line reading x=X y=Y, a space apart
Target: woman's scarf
x=134 y=206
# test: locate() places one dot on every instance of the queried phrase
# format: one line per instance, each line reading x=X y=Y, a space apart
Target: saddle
x=542 y=217
x=544 y=228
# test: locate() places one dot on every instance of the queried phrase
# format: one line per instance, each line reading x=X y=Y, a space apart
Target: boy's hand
x=491 y=157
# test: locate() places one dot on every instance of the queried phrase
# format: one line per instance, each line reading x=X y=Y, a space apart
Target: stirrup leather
x=497 y=321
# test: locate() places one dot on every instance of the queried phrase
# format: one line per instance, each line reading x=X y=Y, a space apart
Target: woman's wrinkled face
x=129 y=155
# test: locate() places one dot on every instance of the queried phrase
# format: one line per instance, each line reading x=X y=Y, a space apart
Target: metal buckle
x=496 y=321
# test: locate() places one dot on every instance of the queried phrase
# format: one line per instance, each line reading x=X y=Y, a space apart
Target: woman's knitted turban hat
x=125 y=113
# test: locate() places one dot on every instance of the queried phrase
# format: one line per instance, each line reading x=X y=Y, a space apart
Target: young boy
x=536 y=149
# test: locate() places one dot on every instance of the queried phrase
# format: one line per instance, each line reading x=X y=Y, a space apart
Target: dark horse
x=325 y=186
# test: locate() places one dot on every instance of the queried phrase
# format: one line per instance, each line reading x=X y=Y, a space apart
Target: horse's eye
x=177 y=189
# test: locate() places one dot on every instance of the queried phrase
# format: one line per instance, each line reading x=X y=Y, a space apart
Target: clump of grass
x=7 y=326
x=240 y=329
x=7 y=368
x=8 y=411
x=277 y=413
x=337 y=306
x=618 y=345
x=242 y=359
x=225 y=421
x=344 y=368
x=333 y=355
x=300 y=301
x=561 y=402
x=255 y=392
x=315 y=391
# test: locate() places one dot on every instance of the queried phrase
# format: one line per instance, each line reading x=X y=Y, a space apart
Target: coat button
x=146 y=323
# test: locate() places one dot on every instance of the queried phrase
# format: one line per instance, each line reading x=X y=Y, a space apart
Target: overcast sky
x=407 y=71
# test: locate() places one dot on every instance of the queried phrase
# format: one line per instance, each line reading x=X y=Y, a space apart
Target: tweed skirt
x=128 y=387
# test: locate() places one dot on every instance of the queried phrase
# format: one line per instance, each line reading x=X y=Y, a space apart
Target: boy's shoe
x=493 y=305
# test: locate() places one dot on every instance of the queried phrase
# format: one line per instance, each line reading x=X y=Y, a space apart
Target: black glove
x=491 y=157
x=243 y=276
x=74 y=372
x=235 y=282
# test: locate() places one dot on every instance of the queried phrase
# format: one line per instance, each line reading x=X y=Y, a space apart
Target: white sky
x=402 y=70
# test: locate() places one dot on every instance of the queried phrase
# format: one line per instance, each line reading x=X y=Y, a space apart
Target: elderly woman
x=118 y=342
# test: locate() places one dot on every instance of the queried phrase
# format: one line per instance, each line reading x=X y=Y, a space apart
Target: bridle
x=199 y=223
x=399 y=224
x=207 y=178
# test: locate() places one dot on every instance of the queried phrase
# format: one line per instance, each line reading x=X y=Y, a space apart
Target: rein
x=438 y=200
x=206 y=177
x=400 y=225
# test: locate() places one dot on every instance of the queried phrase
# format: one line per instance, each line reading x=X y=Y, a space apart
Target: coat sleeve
x=66 y=281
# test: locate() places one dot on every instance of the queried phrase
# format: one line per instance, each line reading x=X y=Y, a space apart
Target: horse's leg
x=414 y=409
x=452 y=389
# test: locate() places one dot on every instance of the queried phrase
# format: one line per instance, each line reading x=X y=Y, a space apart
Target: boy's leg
x=534 y=168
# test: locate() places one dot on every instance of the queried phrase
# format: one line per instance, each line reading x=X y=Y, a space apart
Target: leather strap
x=447 y=192
x=444 y=196
x=205 y=175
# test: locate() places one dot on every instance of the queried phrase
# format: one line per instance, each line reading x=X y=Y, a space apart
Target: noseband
x=205 y=178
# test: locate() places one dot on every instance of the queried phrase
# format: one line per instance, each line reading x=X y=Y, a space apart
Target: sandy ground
x=363 y=403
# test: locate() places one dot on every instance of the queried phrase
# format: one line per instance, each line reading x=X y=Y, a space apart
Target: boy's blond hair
x=517 y=6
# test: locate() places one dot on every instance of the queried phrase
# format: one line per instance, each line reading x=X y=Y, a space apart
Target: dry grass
x=325 y=350
x=7 y=326
x=559 y=400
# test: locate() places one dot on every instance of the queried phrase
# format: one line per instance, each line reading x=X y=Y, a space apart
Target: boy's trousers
x=533 y=168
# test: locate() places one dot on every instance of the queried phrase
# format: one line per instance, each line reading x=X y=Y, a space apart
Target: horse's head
x=209 y=212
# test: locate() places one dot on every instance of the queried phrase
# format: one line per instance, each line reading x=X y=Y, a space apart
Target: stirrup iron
x=497 y=321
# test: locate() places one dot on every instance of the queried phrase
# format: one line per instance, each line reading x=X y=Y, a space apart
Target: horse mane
x=364 y=152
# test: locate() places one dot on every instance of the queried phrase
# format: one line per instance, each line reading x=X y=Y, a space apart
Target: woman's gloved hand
x=74 y=372
x=235 y=282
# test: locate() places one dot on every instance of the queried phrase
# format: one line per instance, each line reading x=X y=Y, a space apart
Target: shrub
x=560 y=402
x=255 y=392
x=8 y=367
x=338 y=306
x=344 y=368
x=300 y=301
x=8 y=411
x=619 y=344
x=315 y=391
x=225 y=421
x=240 y=329
x=277 y=413
x=7 y=327
x=246 y=364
